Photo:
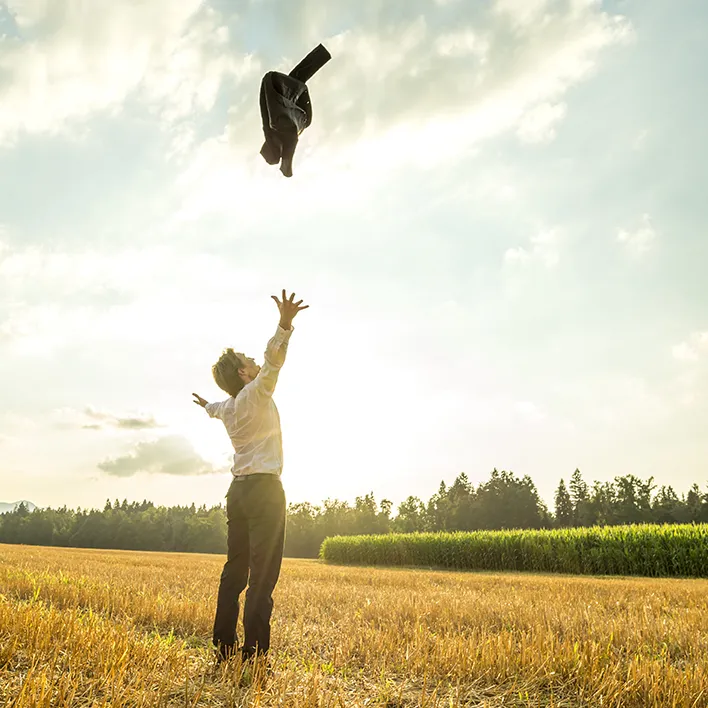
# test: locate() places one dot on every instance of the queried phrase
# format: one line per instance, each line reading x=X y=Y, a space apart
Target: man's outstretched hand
x=200 y=401
x=288 y=309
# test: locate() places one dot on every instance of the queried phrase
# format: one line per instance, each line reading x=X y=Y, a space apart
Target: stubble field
x=119 y=628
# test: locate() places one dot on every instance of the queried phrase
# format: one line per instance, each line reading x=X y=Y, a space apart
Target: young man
x=255 y=502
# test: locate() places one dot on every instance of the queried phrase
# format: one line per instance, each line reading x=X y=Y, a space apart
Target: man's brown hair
x=225 y=372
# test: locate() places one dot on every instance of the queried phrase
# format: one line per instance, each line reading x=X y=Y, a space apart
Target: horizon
x=549 y=504
x=497 y=218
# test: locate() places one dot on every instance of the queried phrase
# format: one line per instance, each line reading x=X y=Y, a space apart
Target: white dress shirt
x=251 y=418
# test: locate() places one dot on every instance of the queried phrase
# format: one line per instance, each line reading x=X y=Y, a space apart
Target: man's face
x=250 y=369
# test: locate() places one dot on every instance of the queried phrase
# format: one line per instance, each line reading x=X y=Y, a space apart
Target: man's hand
x=200 y=401
x=288 y=309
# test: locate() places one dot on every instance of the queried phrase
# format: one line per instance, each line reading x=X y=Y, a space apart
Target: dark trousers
x=255 y=512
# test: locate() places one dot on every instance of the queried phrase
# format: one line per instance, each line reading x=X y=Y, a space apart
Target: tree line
x=504 y=501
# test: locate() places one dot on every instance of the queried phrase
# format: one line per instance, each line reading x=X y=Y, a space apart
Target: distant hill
x=11 y=507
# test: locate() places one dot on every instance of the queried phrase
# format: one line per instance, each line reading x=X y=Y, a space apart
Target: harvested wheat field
x=117 y=628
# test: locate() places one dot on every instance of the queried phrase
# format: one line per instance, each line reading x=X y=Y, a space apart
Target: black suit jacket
x=286 y=109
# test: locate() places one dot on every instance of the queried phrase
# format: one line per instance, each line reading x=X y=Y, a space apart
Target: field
x=667 y=550
x=114 y=628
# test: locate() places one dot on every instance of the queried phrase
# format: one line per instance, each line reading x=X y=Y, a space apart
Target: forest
x=504 y=501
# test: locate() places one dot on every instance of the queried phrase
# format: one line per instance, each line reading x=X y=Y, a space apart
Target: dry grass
x=94 y=628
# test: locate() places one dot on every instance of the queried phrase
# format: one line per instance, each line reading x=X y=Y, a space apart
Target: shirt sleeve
x=214 y=409
x=264 y=384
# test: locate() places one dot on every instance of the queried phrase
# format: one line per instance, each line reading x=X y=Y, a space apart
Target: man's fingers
x=290 y=302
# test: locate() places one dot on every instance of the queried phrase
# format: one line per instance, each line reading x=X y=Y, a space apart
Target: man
x=255 y=502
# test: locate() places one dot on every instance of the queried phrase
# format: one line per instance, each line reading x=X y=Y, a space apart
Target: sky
x=497 y=218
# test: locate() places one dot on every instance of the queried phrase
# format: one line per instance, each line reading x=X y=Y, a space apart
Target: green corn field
x=640 y=549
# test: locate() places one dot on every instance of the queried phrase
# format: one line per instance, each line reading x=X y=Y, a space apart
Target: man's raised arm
x=264 y=383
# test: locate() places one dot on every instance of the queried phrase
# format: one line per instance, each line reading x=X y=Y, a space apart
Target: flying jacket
x=286 y=109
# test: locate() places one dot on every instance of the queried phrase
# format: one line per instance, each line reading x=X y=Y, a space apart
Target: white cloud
x=17 y=424
x=529 y=411
x=640 y=141
x=539 y=124
x=37 y=331
x=685 y=352
x=42 y=331
x=692 y=349
x=145 y=269
x=639 y=241
x=544 y=248
x=95 y=419
x=74 y=59
x=410 y=94
x=136 y=421
x=522 y=13
x=516 y=255
x=421 y=74
x=170 y=455
x=93 y=299
x=614 y=400
x=463 y=43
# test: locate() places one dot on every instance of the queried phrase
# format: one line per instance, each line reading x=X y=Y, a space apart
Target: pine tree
x=564 y=506
x=693 y=504
x=580 y=497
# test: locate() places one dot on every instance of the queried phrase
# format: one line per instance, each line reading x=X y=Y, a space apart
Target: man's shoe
x=255 y=668
x=224 y=652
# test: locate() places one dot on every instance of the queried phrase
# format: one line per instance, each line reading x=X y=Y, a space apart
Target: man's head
x=233 y=371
